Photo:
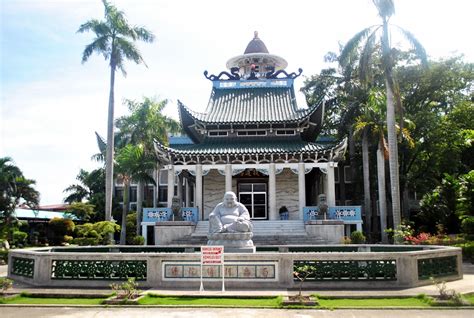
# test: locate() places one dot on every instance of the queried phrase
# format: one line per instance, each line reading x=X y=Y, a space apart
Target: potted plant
x=284 y=213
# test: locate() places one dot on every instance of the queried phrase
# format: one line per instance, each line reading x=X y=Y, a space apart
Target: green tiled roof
x=251 y=105
x=245 y=145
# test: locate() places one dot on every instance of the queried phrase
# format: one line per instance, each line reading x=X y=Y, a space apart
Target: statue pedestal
x=239 y=242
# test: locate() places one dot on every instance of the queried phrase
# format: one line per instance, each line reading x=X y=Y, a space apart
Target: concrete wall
x=282 y=278
x=213 y=191
x=287 y=192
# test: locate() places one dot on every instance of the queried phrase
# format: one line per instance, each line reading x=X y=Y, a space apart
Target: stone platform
x=233 y=242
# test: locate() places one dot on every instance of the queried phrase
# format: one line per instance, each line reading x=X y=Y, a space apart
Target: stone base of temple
x=330 y=231
x=233 y=242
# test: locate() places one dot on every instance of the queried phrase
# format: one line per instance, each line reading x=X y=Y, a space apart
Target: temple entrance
x=254 y=197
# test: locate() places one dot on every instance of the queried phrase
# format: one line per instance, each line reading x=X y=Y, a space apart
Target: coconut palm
x=365 y=42
x=145 y=124
x=132 y=162
x=115 y=40
x=14 y=189
x=89 y=184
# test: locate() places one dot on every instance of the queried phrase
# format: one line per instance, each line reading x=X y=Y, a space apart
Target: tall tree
x=145 y=124
x=366 y=39
x=115 y=40
x=132 y=162
x=14 y=189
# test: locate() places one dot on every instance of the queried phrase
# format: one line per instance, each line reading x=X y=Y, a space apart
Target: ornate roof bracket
x=274 y=75
x=233 y=76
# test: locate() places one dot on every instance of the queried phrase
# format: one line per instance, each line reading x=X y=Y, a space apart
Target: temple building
x=252 y=139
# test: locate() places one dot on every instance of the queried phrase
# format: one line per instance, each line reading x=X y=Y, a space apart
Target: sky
x=51 y=104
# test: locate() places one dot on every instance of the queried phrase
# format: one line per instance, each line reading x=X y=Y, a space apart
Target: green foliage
x=302 y=272
x=19 y=238
x=5 y=284
x=138 y=240
x=357 y=237
x=59 y=230
x=95 y=233
x=402 y=231
x=82 y=211
x=126 y=290
x=15 y=188
x=3 y=256
x=450 y=204
x=467 y=250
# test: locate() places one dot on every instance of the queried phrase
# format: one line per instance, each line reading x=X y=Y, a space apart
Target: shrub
x=59 y=229
x=138 y=240
x=346 y=240
x=467 y=251
x=5 y=284
x=19 y=238
x=467 y=226
x=95 y=233
x=126 y=290
x=357 y=237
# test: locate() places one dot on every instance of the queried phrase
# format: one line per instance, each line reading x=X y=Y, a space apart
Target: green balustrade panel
x=372 y=270
x=98 y=270
x=436 y=267
x=23 y=267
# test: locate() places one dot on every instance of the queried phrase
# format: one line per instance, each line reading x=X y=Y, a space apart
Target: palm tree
x=14 y=188
x=366 y=40
x=89 y=184
x=114 y=40
x=132 y=162
x=145 y=124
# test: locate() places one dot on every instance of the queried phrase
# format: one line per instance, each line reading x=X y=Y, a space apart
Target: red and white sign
x=212 y=255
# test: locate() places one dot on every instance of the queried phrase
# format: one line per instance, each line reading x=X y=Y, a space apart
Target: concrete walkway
x=59 y=312
x=464 y=286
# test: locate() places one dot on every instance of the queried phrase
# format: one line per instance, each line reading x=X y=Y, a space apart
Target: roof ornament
x=271 y=74
x=233 y=76
x=255 y=34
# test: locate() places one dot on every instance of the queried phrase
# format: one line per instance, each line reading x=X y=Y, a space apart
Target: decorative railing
x=343 y=213
x=190 y=214
x=337 y=270
x=436 y=267
x=165 y=214
x=23 y=267
x=98 y=270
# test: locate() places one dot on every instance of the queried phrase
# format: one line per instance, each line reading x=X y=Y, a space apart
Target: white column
x=170 y=185
x=228 y=177
x=301 y=189
x=273 y=213
x=145 y=232
x=198 y=197
x=331 y=185
x=188 y=193
x=180 y=189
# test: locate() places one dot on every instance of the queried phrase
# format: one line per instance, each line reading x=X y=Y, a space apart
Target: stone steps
x=257 y=240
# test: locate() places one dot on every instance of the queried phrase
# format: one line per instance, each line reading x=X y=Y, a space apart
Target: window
x=162 y=194
x=252 y=133
x=282 y=132
x=163 y=177
x=133 y=194
x=347 y=174
x=218 y=133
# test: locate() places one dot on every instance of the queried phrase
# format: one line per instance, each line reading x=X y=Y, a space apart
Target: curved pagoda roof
x=256 y=45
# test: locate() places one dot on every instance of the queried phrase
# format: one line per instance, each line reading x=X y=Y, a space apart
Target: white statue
x=230 y=216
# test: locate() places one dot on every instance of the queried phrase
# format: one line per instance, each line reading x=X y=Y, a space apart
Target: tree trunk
x=126 y=202
x=391 y=131
x=381 y=188
x=140 y=186
x=109 y=161
x=365 y=168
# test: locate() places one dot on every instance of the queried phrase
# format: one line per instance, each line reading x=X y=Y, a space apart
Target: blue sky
x=51 y=104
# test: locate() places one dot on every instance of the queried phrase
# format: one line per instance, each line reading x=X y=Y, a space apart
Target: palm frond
x=418 y=48
x=129 y=50
x=352 y=45
x=99 y=45
x=144 y=34
x=385 y=8
x=366 y=56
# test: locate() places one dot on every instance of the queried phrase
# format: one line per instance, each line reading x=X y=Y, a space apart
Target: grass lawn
x=470 y=298
x=51 y=301
x=152 y=299
x=378 y=302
